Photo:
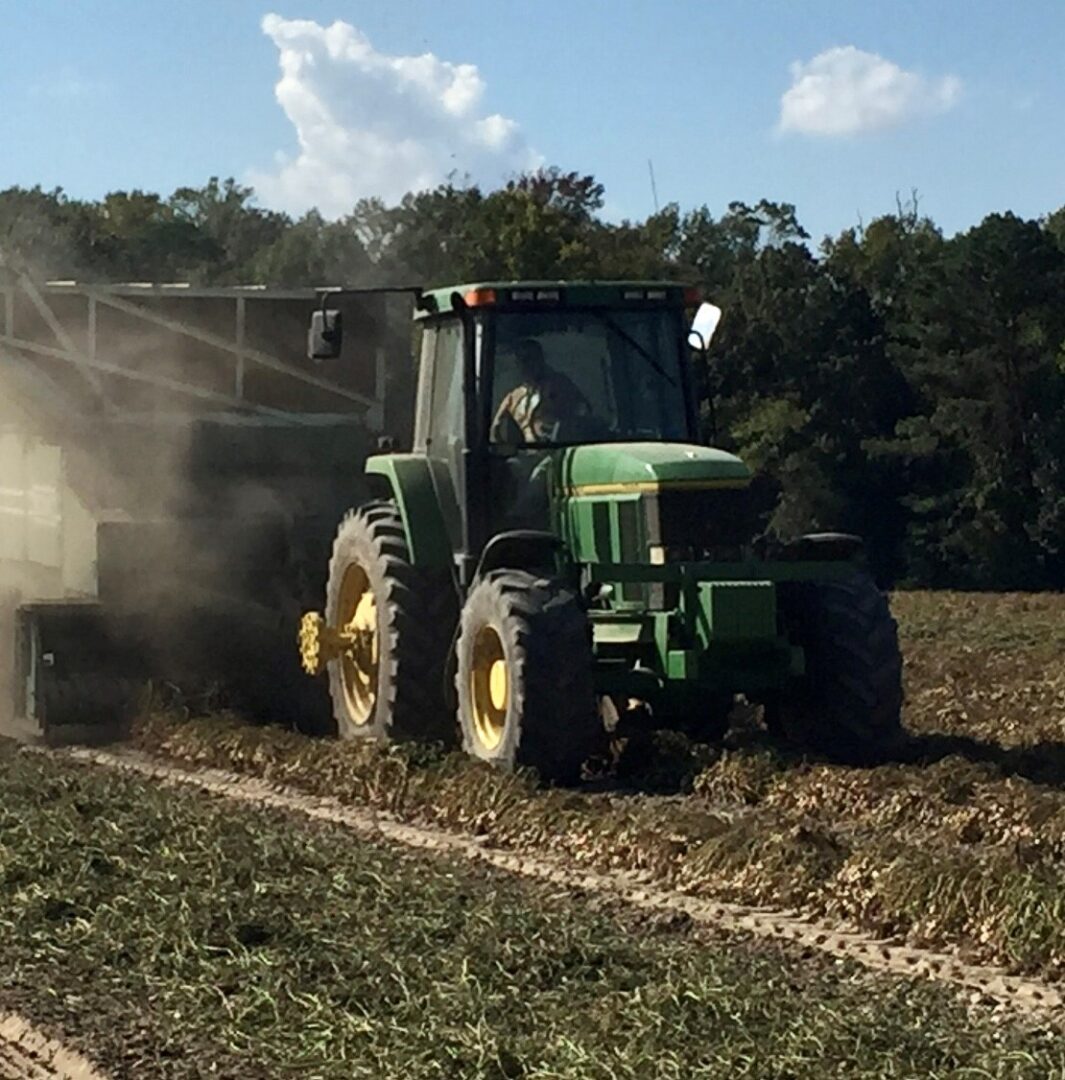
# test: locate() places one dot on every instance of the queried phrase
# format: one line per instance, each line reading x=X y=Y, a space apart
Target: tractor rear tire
x=848 y=704
x=393 y=687
x=525 y=676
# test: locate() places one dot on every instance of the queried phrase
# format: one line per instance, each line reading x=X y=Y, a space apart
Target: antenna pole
x=654 y=187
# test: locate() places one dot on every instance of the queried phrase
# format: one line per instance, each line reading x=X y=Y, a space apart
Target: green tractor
x=557 y=554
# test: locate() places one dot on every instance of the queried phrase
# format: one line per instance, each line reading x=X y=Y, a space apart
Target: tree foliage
x=894 y=382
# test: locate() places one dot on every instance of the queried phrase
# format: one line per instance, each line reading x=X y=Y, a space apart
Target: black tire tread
x=89 y=700
x=416 y=613
x=849 y=703
x=555 y=724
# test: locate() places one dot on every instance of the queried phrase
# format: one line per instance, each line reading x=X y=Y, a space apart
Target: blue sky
x=961 y=100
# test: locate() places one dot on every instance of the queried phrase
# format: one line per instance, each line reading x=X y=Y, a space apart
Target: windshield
x=587 y=376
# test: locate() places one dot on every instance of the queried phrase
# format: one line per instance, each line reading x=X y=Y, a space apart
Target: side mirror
x=704 y=325
x=325 y=336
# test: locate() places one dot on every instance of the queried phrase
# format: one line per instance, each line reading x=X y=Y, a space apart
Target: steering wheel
x=588 y=428
x=541 y=471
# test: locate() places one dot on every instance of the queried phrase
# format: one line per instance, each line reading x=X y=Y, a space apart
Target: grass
x=961 y=844
x=168 y=934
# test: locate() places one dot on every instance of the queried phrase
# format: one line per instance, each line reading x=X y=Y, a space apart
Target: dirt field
x=957 y=844
x=161 y=931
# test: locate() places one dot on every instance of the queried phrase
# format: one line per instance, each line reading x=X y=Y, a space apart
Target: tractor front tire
x=848 y=704
x=388 y=683
x=524 y=676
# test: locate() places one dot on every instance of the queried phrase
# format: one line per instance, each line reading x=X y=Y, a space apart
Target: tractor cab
x=512 y=376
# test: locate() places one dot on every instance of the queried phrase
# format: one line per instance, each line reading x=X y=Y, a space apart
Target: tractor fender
x=520 y=549
x=822 y=547
x=407 y=479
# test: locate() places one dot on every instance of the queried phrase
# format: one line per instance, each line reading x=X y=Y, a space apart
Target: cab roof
x=518 y=294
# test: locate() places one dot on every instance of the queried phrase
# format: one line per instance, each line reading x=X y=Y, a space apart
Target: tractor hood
x=621 y=468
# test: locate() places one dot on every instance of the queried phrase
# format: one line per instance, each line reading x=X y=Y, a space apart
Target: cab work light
x=527 y=295
x=645 y=294
x=480 y=297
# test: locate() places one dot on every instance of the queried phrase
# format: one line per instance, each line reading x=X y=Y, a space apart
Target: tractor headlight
x=660 y=554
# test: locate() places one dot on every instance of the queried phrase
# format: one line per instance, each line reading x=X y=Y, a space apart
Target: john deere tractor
x=557 y=551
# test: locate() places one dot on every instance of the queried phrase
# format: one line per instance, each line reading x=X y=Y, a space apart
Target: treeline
x=895 y=383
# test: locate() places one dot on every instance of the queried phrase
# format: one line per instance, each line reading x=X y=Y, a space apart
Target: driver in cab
x=540 y=404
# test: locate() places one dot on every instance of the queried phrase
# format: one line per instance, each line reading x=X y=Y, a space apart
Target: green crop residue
x=176 y=935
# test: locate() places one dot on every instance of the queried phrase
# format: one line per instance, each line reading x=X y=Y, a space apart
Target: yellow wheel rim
x=489 y=688
x=357 y=629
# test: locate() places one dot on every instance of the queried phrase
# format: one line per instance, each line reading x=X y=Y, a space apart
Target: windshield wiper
x=630 y=340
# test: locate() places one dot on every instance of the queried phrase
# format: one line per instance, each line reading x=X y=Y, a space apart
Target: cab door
x=443 y=421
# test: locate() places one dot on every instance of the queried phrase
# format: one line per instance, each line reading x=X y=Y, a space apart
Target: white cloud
x=373 y=124
x=845 y=91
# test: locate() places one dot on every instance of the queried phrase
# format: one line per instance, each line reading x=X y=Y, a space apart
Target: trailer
x=171 y=471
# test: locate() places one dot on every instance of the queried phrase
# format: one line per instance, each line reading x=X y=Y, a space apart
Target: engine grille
x=717 y=525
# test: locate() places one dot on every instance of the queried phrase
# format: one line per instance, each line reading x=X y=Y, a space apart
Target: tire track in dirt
x=28 y=1054
x=982 y=983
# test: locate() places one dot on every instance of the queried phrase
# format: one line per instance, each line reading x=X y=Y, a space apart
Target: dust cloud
x=202 y=525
